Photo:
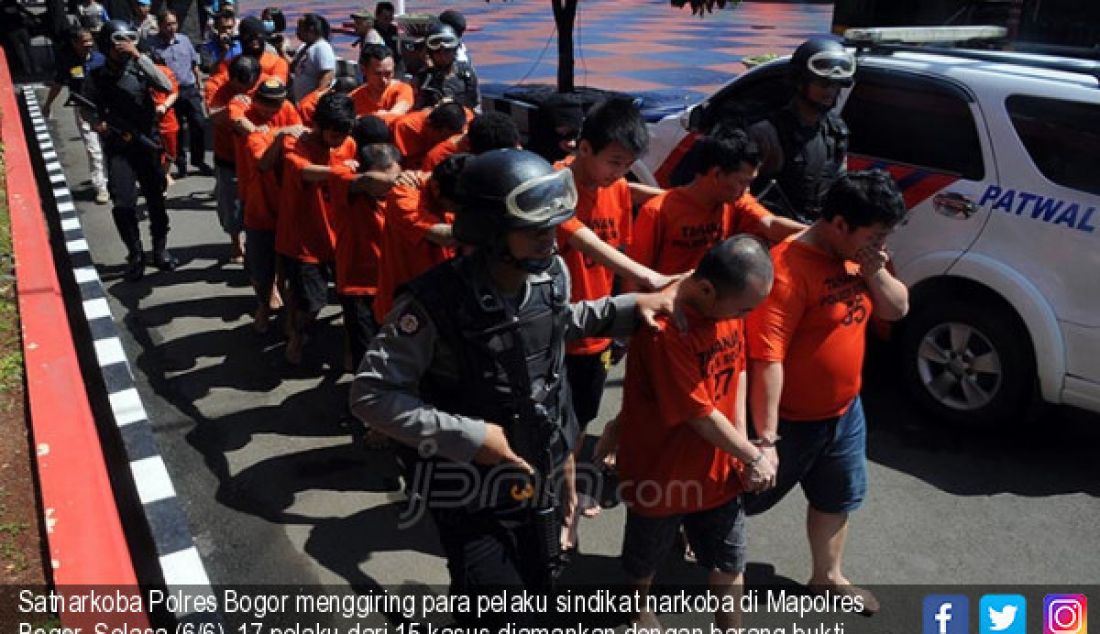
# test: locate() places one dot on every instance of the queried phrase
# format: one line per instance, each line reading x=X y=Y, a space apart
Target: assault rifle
x=123 y=132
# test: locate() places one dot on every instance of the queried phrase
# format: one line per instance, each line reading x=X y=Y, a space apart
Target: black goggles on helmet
x=441 y=41
x=123 y=35
x=832 y=65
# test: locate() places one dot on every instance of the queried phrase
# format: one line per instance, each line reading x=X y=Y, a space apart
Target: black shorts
x=308 y=284
x=259 y=260
x=359 y=324
x=716 y=535
x=587 y=374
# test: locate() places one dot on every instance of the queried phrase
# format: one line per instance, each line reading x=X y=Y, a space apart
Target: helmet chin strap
x=527 y=265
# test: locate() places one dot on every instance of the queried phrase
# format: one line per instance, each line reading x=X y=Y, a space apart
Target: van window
x=905 y=118
x=1062 y=138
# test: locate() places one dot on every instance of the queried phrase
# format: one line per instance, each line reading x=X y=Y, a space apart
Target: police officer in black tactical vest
x=468 y=370
x=804 y=146
x=447 y=77
x=120 y=108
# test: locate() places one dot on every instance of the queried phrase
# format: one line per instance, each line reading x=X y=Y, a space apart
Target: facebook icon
x=946 y=614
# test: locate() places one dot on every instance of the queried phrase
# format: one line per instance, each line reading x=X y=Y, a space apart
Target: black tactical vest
x=478 y=327
x=124 y=99
x=813 y=159
x=457 y=85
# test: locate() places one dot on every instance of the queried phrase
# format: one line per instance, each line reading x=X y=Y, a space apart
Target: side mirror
x=690 y=118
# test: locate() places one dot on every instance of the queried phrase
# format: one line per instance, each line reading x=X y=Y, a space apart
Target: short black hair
x=377 y=156
x=492 y=131
x=383 y=6
x=447 y=173
x=374 y=51
x=317 y=22
x=163 y=14
x=369 y=129
x=728 y=152
x=729 y=264
x=336 y=112
x=455 y=20
x=615 y=120
x=244 y=69
x=864 y=199
x=449 y=117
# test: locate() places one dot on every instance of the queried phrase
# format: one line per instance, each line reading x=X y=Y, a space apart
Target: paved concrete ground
x=275 y=492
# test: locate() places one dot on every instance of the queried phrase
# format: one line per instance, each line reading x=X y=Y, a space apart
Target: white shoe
x=101 y=197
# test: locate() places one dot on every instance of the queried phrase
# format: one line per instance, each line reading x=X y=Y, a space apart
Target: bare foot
x=589 y=506
x=647 y=623
x=276 y=300
x=843 y=587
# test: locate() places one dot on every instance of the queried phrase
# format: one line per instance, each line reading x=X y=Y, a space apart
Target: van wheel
x=968 y=363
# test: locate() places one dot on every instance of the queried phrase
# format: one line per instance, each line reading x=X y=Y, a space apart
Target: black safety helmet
x=822 y=58
x=441 y=35
x=508 y=189
x=114 y=31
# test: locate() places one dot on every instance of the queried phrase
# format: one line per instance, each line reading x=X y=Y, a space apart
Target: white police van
x=998 y=155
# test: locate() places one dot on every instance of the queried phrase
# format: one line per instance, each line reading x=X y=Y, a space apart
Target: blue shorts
x=716 y=535
x=827 y=457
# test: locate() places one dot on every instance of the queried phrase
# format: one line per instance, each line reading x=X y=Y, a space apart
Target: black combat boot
x=135 y=262
x=162 y=258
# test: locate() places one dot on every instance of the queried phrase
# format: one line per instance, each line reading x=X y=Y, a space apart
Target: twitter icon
x=1002 y=614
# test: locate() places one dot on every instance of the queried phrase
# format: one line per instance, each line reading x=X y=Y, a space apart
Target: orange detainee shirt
x=358 y=220
x=220 y=95
x=608 y=212
x=261 y=190
x=168 y=122
x=672 y=231
x=444 y=149
x=271 y=65
x=240 y=107
x=304 y=231
x=673 y=377
x=814 y=322
x=308 y=105
x=396 y=92
x=410 y=138
x=410 y=212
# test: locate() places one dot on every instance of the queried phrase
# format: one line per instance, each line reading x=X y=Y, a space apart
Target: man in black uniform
x=125 y=118
x=469 y=369
x=446 y=77
x=804 y=146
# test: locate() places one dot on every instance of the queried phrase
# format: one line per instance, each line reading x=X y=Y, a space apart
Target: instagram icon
x=1065 y=614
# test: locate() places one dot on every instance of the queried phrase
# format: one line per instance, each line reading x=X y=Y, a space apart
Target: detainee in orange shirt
x=417 y=234
x=168 y=126
x=684 y=457
x=381 y=95
x=806 y=345
x=358 y=215
x=261 y=125
x=308 y=104
x=244 y=76
x=254 y=44
x=304 y=234
x=418 y=230
x=416 y=133
x=674 y=230
x=612 y=136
